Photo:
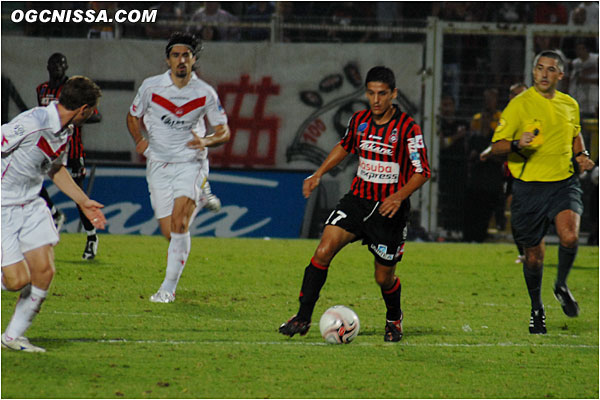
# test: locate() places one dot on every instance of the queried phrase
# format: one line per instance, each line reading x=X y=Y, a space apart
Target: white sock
x=28 y=306
x=177 y=255
x=92 y=232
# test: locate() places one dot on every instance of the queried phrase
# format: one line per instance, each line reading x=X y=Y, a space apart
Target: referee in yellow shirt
x=540 y=132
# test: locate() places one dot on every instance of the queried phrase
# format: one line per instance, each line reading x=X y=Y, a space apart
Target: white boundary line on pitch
x=297 y=343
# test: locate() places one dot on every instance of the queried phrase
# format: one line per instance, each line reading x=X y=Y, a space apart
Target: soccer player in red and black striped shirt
x=46 y=93
x=392 y=165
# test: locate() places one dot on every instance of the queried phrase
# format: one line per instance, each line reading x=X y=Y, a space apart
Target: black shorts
x=536 y=204
x=384 y=236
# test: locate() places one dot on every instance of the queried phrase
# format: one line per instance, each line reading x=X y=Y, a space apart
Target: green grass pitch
x=466 y=316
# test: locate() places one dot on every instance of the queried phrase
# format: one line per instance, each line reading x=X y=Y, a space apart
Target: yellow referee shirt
x=548 y=158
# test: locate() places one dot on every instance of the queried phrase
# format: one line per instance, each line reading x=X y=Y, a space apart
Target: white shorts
x=169 y=181
x=25 y=228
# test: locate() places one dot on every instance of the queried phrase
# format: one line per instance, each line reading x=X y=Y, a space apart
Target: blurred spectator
x=549 y=12
x=169 y=19
x=585 y=14
x=347 y=13
x=485 y=193
x=386 y=13
x=453 y=48
x=505 y=65
x=452 y=167
x=583 y=82
x=259 y=11
x=209 y=33
x=212 y=15
x=104 y=30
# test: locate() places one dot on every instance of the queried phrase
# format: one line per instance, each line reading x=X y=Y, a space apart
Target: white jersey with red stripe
x=31 y=143
x=170 y=113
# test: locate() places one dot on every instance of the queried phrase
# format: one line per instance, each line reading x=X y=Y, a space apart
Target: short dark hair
x=381 y=74
x=78 y=91
x=560 y=62
x=184 y=38
x=56 y=57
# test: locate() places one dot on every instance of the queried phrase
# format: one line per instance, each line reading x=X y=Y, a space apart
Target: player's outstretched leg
x=314 y=279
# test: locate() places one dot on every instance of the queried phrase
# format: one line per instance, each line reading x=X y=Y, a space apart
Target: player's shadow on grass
x=412 y=331
x=578 y=267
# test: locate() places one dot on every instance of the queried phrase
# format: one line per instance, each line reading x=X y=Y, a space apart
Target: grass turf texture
x=466 y=317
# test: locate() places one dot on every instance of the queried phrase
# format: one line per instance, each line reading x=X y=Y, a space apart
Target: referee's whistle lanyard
x=524 y=164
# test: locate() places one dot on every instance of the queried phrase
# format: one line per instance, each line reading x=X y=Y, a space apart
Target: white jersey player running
x=172 y=107
x=33 y=144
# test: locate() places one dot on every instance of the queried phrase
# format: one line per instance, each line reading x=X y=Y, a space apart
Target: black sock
x=391 y=296
x=520 y=249
x=566 y=257
x=533 y=279
x=314 y=279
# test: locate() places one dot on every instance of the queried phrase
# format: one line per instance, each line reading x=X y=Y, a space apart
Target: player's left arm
x=581 y=154
x=420 y=174
x=218 y=119
x=392 y=203
x=91 y=208
x=222 y=135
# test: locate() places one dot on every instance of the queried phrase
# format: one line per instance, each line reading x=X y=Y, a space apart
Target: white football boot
x=212 y=202
x=162 y=296
x=20 y=344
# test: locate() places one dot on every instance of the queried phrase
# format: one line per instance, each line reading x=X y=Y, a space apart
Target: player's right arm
x=335 y=157
x=91 y=208
x=135 y=130
x=505 y=138
x=136 y=111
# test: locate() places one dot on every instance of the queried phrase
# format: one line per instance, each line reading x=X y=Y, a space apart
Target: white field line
x=301 y=343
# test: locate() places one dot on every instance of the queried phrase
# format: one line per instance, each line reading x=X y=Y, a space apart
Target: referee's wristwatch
x=584 y=153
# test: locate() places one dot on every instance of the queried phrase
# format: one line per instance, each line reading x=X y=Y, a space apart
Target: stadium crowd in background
x=472 y=63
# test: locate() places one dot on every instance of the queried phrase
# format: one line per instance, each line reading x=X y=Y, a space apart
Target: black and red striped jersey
x=47 y=94
x=388 y=154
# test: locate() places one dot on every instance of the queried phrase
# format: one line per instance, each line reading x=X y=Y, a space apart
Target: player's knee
x=569 y=240
x=179 y=224
x=532 y=261
x=324 y=254
x=44 y=275
x=384 y=279
x=15 y=283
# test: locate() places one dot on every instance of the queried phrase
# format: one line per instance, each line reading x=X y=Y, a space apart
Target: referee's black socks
x=566 y=258
x=533 y=279
x=314 y=279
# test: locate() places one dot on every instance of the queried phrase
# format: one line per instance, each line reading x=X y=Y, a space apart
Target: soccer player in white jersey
x=34 y=144
x=172 y=107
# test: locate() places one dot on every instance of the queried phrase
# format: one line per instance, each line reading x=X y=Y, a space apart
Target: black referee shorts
x=536 y=204
x=384 y=236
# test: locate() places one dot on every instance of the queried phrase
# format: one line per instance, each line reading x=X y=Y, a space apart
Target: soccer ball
x=339 y=324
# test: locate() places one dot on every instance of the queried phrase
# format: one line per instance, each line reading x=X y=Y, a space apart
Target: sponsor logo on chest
x=376 y=147
x=378 y=171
